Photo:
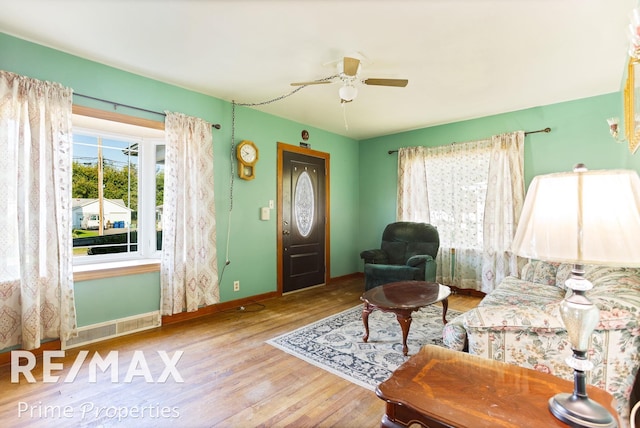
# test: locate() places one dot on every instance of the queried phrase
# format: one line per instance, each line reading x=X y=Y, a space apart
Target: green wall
x=97 y=302
x=363 y=175
x=579 y=133
x=252 y=243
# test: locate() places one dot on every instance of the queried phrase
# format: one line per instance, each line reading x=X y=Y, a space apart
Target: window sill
x=113 y=269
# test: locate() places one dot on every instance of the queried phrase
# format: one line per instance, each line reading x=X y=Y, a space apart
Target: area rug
x=335 y=343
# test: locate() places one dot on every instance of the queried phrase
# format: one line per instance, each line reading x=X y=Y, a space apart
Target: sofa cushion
x=540 y=272
x=517 y=292
x=598 y=275
x=616 y=292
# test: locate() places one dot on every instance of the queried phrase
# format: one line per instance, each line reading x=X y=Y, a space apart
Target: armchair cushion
x=395 y=251
x=376 y=275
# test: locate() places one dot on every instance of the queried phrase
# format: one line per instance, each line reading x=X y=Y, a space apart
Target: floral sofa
x=519 y=323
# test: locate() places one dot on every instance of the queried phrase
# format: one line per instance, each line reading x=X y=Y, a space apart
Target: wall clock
x=247 y=154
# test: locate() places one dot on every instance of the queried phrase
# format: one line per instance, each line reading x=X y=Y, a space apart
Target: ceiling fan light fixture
x=348 y=92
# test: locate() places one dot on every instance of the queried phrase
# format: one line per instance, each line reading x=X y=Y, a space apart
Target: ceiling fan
x=348 y=73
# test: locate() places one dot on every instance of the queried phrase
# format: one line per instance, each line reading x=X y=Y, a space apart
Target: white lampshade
x=584 y=217
x=348 y=92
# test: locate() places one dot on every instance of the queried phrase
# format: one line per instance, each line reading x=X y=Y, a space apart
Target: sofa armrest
x=514 y=318
x=376 y=256
x=454 y=335
x=523 y=336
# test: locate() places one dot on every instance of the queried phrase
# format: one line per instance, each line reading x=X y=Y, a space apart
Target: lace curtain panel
x=36 y=271
x=456 y=181
x=474 y=191
x=505 y=197
x=413 y=198
x=189 y=266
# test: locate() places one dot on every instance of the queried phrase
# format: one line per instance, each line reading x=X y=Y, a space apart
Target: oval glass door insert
x=303 y=204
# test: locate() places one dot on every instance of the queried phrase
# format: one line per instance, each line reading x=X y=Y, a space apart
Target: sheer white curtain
x=413 y=198
x=36 y=271
x=457 y=175
x=475 y=195
x=189 y=267
x=505 y=196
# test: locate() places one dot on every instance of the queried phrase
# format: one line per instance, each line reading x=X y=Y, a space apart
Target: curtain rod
x=545 y=130
x=115 y=104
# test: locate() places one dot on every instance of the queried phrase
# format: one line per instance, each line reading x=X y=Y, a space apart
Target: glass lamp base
x=580 y=411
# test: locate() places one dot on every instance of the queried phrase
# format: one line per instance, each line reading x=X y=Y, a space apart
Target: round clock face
x=248 y=153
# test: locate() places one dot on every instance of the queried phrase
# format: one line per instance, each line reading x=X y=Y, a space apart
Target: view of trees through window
x=108 y=175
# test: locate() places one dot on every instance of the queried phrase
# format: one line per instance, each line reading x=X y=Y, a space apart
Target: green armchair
x=408 y=252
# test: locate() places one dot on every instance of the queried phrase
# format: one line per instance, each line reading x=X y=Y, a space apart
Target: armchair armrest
x=429 y=265
x=376 y=256
x=417 y=260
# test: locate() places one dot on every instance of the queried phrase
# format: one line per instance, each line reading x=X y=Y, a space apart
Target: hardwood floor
x=232 y=378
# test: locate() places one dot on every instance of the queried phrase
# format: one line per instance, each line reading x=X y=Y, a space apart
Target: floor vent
x=97 y=332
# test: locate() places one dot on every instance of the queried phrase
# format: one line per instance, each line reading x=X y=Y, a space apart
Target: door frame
x=283 y=147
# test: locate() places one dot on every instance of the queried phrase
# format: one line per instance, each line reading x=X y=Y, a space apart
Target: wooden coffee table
x=438 y=388
x=403 y=298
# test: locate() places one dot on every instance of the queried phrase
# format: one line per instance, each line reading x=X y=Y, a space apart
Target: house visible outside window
x=118 y=183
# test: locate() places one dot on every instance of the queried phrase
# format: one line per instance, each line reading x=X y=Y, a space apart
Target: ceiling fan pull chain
x=344 y=115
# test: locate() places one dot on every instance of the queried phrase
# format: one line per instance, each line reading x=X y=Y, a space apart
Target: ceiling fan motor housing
x=348 y=72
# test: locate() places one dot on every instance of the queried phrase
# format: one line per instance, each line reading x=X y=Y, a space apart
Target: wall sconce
x=614 y=129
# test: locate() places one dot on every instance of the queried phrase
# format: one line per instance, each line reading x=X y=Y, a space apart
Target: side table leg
x=386 y=422
x=366 y=310
x=404 y=318
x=445 y=308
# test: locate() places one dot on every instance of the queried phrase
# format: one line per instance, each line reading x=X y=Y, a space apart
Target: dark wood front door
x=302 y=217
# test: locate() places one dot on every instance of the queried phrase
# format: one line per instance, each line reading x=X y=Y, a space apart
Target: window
x=457 y=187
x=118 y=182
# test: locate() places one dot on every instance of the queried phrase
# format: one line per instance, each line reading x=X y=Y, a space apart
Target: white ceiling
x=464 y=58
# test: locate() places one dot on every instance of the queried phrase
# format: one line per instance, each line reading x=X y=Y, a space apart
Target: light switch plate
x=264 y=213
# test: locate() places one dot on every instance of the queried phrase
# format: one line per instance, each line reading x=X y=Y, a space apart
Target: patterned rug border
x=358 y=362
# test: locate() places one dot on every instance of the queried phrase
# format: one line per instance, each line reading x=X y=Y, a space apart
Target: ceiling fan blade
x=401 y=83
x=350 y=66
x=313 y=82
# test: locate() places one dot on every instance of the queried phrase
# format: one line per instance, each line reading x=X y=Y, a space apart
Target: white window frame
x=146 y=222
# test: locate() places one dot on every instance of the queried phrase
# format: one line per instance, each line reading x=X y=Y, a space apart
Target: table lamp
x=581 y=217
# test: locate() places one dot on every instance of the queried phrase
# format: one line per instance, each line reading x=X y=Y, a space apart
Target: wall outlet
x=236 y=285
